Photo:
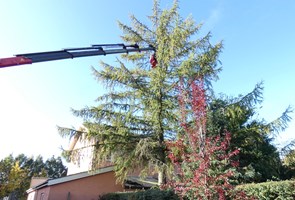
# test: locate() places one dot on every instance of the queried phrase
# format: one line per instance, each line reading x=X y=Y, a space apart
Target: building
x=83 y=184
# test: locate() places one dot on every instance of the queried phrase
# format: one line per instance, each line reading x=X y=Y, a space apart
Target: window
x=42 y=196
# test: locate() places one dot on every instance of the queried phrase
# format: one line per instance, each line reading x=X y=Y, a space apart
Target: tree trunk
x=162 y=157
x=162 y=176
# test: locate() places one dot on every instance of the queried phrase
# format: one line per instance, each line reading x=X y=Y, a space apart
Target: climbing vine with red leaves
x=203 y=165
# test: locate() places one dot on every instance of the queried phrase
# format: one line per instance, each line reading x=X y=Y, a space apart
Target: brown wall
x=42 y=193
x=86 y=188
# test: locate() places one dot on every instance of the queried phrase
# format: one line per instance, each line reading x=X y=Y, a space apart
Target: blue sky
x=258 y=46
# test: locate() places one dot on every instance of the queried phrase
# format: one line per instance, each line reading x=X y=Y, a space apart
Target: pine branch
x=131 y=36
x=119 y=76
x=287 y=148
x=136 y=83
x=102 y=115
x=156 y=14
x=117 y=96
x=281 y=123
x=69 y=132
x=112 y=76
x=252 y=98
x=144 y=30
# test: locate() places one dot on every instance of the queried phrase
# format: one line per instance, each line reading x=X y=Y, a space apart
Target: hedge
x=151 y=194
x=273 y=190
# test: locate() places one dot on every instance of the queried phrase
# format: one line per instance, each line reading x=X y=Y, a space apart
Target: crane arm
x=94 y=50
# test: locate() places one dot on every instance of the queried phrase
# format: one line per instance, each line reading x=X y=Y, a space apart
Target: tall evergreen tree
x=140 y=110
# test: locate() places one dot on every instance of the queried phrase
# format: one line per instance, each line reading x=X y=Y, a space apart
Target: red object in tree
x=153 y=60
x=12 y=61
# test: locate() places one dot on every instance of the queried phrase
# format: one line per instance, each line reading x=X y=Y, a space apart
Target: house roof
x=72 y=177
x=135 y=182
x=132 y=182
x=37 y=181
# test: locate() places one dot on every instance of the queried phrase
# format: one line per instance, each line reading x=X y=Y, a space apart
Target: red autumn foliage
x=203 y=165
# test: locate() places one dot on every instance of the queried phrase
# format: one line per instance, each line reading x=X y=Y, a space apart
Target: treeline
x=16 y=173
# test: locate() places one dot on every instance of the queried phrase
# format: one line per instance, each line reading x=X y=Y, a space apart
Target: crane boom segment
x=94 y=50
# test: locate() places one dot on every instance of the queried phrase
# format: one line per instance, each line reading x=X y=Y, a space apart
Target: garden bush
x=141 y=195
x=272 y=190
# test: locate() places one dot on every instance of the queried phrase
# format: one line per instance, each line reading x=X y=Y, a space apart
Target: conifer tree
x=140 y=110
x=259 y=158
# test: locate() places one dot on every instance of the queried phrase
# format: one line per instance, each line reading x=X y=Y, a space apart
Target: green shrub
x=273 y=190
x=278 y=190
x=142 y=195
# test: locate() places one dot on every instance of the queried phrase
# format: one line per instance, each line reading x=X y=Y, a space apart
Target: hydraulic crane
x=94 y=50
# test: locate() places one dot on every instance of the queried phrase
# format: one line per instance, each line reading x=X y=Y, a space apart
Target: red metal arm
x=12 y=61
